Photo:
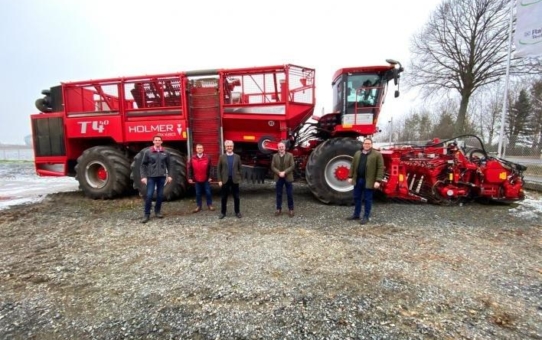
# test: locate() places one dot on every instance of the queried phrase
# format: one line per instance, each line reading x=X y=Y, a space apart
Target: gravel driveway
x=75 y=268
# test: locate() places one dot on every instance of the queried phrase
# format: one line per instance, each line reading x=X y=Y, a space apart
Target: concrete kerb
x=533 y=185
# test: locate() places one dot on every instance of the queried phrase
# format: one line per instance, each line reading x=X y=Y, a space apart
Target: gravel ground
x=75 y=268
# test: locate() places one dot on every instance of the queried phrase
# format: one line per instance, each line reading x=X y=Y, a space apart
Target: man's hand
x=190 y=181
x=219 y=183
x=282 y=174
x=349 y=180
x=377 y=185
x=169 y=179
x=144 y=180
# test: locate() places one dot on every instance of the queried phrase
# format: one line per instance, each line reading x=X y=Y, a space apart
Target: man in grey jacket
x=366 y=173
x=155 y=172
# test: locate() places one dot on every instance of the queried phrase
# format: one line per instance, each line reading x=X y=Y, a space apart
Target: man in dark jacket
x=229 y=177
x=199 y=174
x=283 y=166
x=155 y=172
x=366 y=173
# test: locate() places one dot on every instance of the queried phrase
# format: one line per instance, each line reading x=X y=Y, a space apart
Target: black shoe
x=145 y=219
x=159 y=215
x=352 y=218
x=364 y=220
x=221 y=216
x=238 y=215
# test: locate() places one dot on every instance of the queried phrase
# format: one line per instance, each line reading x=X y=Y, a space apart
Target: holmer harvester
x=96 y=131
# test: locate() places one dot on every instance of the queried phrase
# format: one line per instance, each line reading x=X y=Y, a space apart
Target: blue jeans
x=200 y=187
x=152 y=183
x=361 y=193
x=281 y=182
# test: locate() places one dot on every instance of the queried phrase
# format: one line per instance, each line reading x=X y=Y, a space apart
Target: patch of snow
x=20 y=185
x=530 y=208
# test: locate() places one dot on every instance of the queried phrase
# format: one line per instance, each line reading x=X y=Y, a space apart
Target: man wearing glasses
x=366 y=174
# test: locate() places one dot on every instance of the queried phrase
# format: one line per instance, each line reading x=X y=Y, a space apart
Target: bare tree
x=487 y=107
x=476 y=115
x=444 y=117
x=536 y=101
x=463 y=47
x=415 y=126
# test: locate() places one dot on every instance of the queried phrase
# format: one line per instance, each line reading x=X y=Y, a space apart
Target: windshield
x=362 y=90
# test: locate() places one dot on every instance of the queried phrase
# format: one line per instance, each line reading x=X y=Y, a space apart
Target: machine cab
x=358 y=94
x=353 y=92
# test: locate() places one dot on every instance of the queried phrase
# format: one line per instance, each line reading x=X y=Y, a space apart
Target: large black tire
x=103 y=172
x=327 y=170
x=172 y=191
x=42 y=106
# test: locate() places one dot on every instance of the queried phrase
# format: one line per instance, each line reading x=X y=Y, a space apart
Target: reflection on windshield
x=362 y=91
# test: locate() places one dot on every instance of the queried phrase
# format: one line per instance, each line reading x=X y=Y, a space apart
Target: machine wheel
x=327 y=170
x=439 y=199
x=103 y=172
x=174 y=190
x=261 y=144
x=41 y=106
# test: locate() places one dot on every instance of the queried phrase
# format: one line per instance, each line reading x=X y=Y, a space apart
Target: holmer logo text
x=162 y=128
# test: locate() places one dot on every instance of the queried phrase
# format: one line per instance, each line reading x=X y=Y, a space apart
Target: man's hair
x=368 y=139
x=157 y=136
x=199 y=145
x=228 y=142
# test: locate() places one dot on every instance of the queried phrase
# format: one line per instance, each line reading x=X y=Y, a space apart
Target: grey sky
x=45 y=42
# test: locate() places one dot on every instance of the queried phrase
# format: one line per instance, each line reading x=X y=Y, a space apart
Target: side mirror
x=396 y=93
x=396 y=70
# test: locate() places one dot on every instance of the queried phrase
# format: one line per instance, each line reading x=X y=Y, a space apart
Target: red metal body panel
x=95 y=127
x=361 y=69
x=208 y=106
x=266 y=101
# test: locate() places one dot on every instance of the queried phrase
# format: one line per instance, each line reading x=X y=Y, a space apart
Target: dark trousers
x=228 y=187
x=282 y=182
x=361 y=193
x=200 y=188
x=152 y=184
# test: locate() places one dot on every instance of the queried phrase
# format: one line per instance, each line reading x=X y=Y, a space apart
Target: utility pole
x=391 y=129
x=500 y=151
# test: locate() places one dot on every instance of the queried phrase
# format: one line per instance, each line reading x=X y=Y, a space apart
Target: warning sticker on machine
x=358 y=119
